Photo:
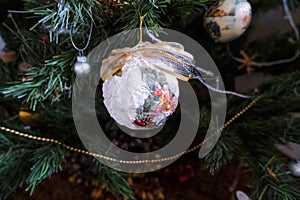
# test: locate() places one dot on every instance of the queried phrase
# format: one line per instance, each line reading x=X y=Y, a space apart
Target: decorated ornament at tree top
x=227 y=19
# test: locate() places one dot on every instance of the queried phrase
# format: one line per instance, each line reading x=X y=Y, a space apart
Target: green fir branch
x=114 y=181
x=178 y=12
x=47 y=161
x=60 y=16
x=42 y=84
x=257 y=131
x=272 y=180
x=26 y=163
x=223 y=153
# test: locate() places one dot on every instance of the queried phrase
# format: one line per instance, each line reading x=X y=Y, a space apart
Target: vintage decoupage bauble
x=136 y=93
x=227 y=20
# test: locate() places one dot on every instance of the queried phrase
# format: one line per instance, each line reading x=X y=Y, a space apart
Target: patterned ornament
x=227 y=20
x=82 y=68
x=140 y=95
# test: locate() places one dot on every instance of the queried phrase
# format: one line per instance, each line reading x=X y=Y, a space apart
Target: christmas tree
x=50 y=55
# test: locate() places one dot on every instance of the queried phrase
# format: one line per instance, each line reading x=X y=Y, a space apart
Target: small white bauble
x=82 y=67
x=295 y=168
x=227 y=20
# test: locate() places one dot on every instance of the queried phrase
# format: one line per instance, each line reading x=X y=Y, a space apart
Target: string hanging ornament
x=82 y=68
x=140 y=86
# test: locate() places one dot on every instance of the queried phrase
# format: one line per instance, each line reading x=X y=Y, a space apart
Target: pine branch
x=36 y=160
x=294 y=3
x=272 y=181
x=257 y=131
x=26 y=163
x=7 y=72
x=43 y=83
x=159 y=14
x=46 y=79
x=61 y=16
x=52 y=67
x=114 y=181
x=225 y=150
x=178 y=12
x=47 y=161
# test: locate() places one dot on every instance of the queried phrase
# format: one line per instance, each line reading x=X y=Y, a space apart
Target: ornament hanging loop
x=141 y=26
x=82 y=67
x=87 y=43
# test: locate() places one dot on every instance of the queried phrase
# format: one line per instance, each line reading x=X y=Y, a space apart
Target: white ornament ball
x=142 y=97
x=240 y=195
x=295 y=168
x=228 y=19
x=82 y=67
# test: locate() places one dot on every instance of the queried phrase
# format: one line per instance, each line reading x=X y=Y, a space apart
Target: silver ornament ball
x=82 y=67
x=295 y=168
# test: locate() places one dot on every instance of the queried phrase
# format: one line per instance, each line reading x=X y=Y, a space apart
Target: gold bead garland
x=49 y=140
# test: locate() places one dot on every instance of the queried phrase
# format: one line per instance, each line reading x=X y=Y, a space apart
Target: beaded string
x=49 y=140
